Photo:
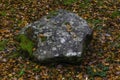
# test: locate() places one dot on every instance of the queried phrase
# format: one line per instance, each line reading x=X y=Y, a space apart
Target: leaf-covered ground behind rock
x=102 y=60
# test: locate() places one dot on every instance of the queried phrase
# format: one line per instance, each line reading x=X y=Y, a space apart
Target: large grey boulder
x=59 y=34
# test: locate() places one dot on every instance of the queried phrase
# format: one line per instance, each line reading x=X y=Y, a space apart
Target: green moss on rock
x=26 y=44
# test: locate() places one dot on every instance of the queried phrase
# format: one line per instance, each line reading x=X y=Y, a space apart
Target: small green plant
x=26 y=44
x=100 y=3
x=14 y=55
x=52 y=13
x=100 y=70
x=102 y=67
x=3 y=44
x=3 y=13
x=68 y=2
x=115 y=14
x=84 y=4
x=96 y=23
x=36 y=69
x=22 y=72
x=99 y=27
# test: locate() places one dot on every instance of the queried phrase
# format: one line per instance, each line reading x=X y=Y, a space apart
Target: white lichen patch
x=44 y=52
x=56 y=55
x=34 y=26
x=71 y=22
x=59 y=46
x=72 y=53
x=79 y=53
x=48 y=34
x=65 y=34
x=77 y=39
x=62 y=40
x=36 y=33
x=54 y=48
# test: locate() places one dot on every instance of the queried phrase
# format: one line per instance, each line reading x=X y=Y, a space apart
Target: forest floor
x=102 y=61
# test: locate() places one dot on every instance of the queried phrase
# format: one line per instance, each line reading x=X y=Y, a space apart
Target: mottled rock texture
x=59 y=34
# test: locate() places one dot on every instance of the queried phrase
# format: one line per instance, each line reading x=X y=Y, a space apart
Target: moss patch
x=26 y=44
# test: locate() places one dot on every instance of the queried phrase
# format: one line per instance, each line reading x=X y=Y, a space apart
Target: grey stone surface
x=58 y=34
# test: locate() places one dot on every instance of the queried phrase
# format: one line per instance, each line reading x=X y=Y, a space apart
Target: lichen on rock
x=63 y=34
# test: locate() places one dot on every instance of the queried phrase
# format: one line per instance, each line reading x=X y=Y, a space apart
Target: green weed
x=100 y=3
x=96 y=23
x=3 y=13
x=115 y=14
x=3 y=44
x=101 y=70
x=51 y=14
x=22 y=72
x=85 y=4
x=68 y=2
x=14 y=55
x=82 y=5
x=36 y=69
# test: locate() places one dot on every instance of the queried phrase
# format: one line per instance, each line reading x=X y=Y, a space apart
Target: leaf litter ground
x=102 y=60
